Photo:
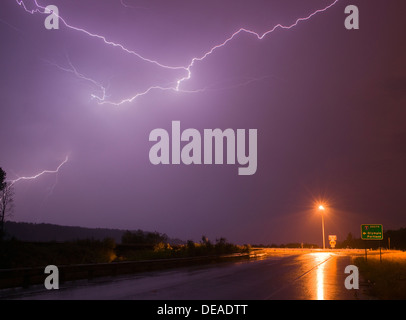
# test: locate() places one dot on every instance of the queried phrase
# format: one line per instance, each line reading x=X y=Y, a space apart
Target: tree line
x=392 y=239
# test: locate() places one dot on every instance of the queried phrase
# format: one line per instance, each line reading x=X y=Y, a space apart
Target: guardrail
x=24 y=277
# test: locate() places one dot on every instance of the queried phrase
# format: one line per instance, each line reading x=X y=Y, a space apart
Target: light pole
x=322 y=209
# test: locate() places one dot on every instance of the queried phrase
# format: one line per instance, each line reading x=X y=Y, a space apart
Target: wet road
x=308 y=276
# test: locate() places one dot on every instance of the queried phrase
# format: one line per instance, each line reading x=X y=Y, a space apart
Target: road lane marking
x=297 y=278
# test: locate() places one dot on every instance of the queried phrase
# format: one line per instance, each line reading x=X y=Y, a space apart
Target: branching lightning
x=72 y=69
x=36 y=176
x=10 y=183
x=176 y=85
x=243 y=30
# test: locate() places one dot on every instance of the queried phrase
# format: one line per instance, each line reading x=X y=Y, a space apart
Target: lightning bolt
x=36 y=176
x=176 y=85
x=40 y=9
x=257 y=35
x=72 y=69
x=102 y=99
x=10 y=183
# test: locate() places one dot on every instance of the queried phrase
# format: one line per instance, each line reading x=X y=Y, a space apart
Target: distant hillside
x=44 y=232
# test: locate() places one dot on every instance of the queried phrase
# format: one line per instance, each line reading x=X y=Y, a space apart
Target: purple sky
x=328 y=103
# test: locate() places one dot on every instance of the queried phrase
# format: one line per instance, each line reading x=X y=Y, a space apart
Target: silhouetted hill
x=44 y=232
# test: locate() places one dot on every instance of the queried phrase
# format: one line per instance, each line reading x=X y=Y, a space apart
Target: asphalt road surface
x=307 y=276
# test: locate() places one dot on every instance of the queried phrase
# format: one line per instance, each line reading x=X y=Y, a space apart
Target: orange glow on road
x=320 y=282
x=320 y=258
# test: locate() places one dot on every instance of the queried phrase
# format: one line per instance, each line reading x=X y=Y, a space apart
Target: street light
x=322 y=209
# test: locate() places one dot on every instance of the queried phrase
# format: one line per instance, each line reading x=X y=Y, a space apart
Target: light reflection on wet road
x=309 y=276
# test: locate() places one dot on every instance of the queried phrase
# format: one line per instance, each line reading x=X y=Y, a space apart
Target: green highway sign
x=371 y=232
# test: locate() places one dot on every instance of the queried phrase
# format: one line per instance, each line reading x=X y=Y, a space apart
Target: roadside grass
x=191 y=249
x=387 y=279
x=19 y=254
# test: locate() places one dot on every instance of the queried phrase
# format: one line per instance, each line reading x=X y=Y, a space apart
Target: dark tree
x=6 y=200
x=143 y=237
x=2 y=178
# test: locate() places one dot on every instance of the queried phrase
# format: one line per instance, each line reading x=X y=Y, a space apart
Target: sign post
x=333 y=240
x=372 y=232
